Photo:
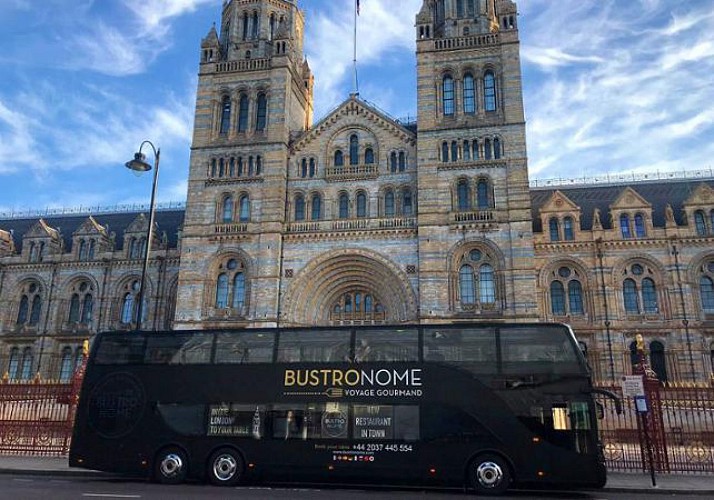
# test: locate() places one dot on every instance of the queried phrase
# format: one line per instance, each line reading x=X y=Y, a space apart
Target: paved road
x=27 y=487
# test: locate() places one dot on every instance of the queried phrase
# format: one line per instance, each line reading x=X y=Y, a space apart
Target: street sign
x=632 y=386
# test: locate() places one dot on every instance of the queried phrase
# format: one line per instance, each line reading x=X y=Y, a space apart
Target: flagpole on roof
x=354 y=60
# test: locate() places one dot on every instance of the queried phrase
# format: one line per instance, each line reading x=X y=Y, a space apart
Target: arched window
x=27 y=361
x=497 y=148
x=222 y=291
x=90 y=252
x=227 y=209
x=575 y=297
x=649 y=296
x=402 y=161
x=231 y=286
x=477 y=280
x=23 y=311
x=255 y=25
x=272 y=26
x=240 y=166
x=87 y=310
x=74 y=309
x=261 y=117
x=35 y=311
x=568 y=234
x=361 y=205
x=444 y=152
x=454 y=151
x=389 y=203
x=354 y=150
x=625 y=226
x=459 y=8
x=344 y=208
x=489 y=91
x=482 y=196
x=299 y=208
x=640 y=231
x=448 y=95
x=557 y=298
x=225 y=115
x=407 y=202
x=467 y=150
x=312 y=167
x=130 y=303
x=303 y=168
x=487 y=284
x=66 y=364
x=339 y=158
x=369 y=156
x=316 y=207
x=393 y=162
x=700 y=223
x=466 y=285
x=244 y=208
x=706 y=290
x=82 y=253
x=463 y=195
x=243 y=113
x=476 y=152
x=631 y=298
x=239 y=290
x=469 y=94
x=14 y=363
x=245 y=26
x=487 y=150
x=127 y=308
x=658 y=360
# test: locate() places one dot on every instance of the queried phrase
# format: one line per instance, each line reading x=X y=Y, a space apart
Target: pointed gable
x=629 y=199
x=90 y=227
x=559 y=203
x=702 y=197
x=351 y=113
x=42 y=230
x=140 y=224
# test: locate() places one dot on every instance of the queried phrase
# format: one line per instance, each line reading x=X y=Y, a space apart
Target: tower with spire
x=473 y=175
x=255 y=89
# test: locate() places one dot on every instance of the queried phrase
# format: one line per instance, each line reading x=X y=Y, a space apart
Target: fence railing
x=685 y=414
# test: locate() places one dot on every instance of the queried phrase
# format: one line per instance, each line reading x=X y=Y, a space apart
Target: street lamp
x=139 y=165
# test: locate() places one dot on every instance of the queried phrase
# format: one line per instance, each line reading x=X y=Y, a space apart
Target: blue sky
x=610 y=86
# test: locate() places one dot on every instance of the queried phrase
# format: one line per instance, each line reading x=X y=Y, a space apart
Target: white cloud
x=17 y=144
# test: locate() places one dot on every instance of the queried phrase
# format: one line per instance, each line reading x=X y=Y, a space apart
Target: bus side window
x=288 y=424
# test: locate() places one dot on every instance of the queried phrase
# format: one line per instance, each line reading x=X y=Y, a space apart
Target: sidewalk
x=617 y=481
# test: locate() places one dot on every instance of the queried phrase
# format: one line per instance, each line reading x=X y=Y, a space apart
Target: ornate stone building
x=360 y=218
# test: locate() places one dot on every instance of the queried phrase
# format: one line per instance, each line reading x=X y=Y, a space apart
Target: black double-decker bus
x=476 y=405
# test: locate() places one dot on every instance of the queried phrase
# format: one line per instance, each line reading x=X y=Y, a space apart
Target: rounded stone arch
x=589 y=274
x=319 y=285
x=692 y=275
x=340 y=140
x=454 y=189
x=586 y=276
x=19 y=288
x=622 y=271
x=65 y=290
x=221 y=258
x=621 y=266
x=458 y=255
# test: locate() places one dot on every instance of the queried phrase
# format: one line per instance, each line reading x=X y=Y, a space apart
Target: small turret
x=210 y=46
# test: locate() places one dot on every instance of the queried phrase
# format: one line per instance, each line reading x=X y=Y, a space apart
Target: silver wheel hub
x=224 y=467
x=171 y=465
x=489 y=474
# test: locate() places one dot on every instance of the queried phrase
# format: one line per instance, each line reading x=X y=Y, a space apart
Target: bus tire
x=171 y=466
x=490 y=475
x=225 y=467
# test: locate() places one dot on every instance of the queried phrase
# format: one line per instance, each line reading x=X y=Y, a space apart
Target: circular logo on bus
x=115 y=405
x=334 y=424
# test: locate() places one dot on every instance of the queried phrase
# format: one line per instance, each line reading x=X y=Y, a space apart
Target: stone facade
x=362 y=219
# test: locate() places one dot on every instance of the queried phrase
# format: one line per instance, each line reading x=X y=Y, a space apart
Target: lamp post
x=139 y=165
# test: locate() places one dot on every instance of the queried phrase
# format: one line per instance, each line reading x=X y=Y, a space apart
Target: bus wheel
x=171 y=466
x=225 y=468
x=490 y=475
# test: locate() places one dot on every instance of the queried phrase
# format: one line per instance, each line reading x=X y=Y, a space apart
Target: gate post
x=653 y=419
